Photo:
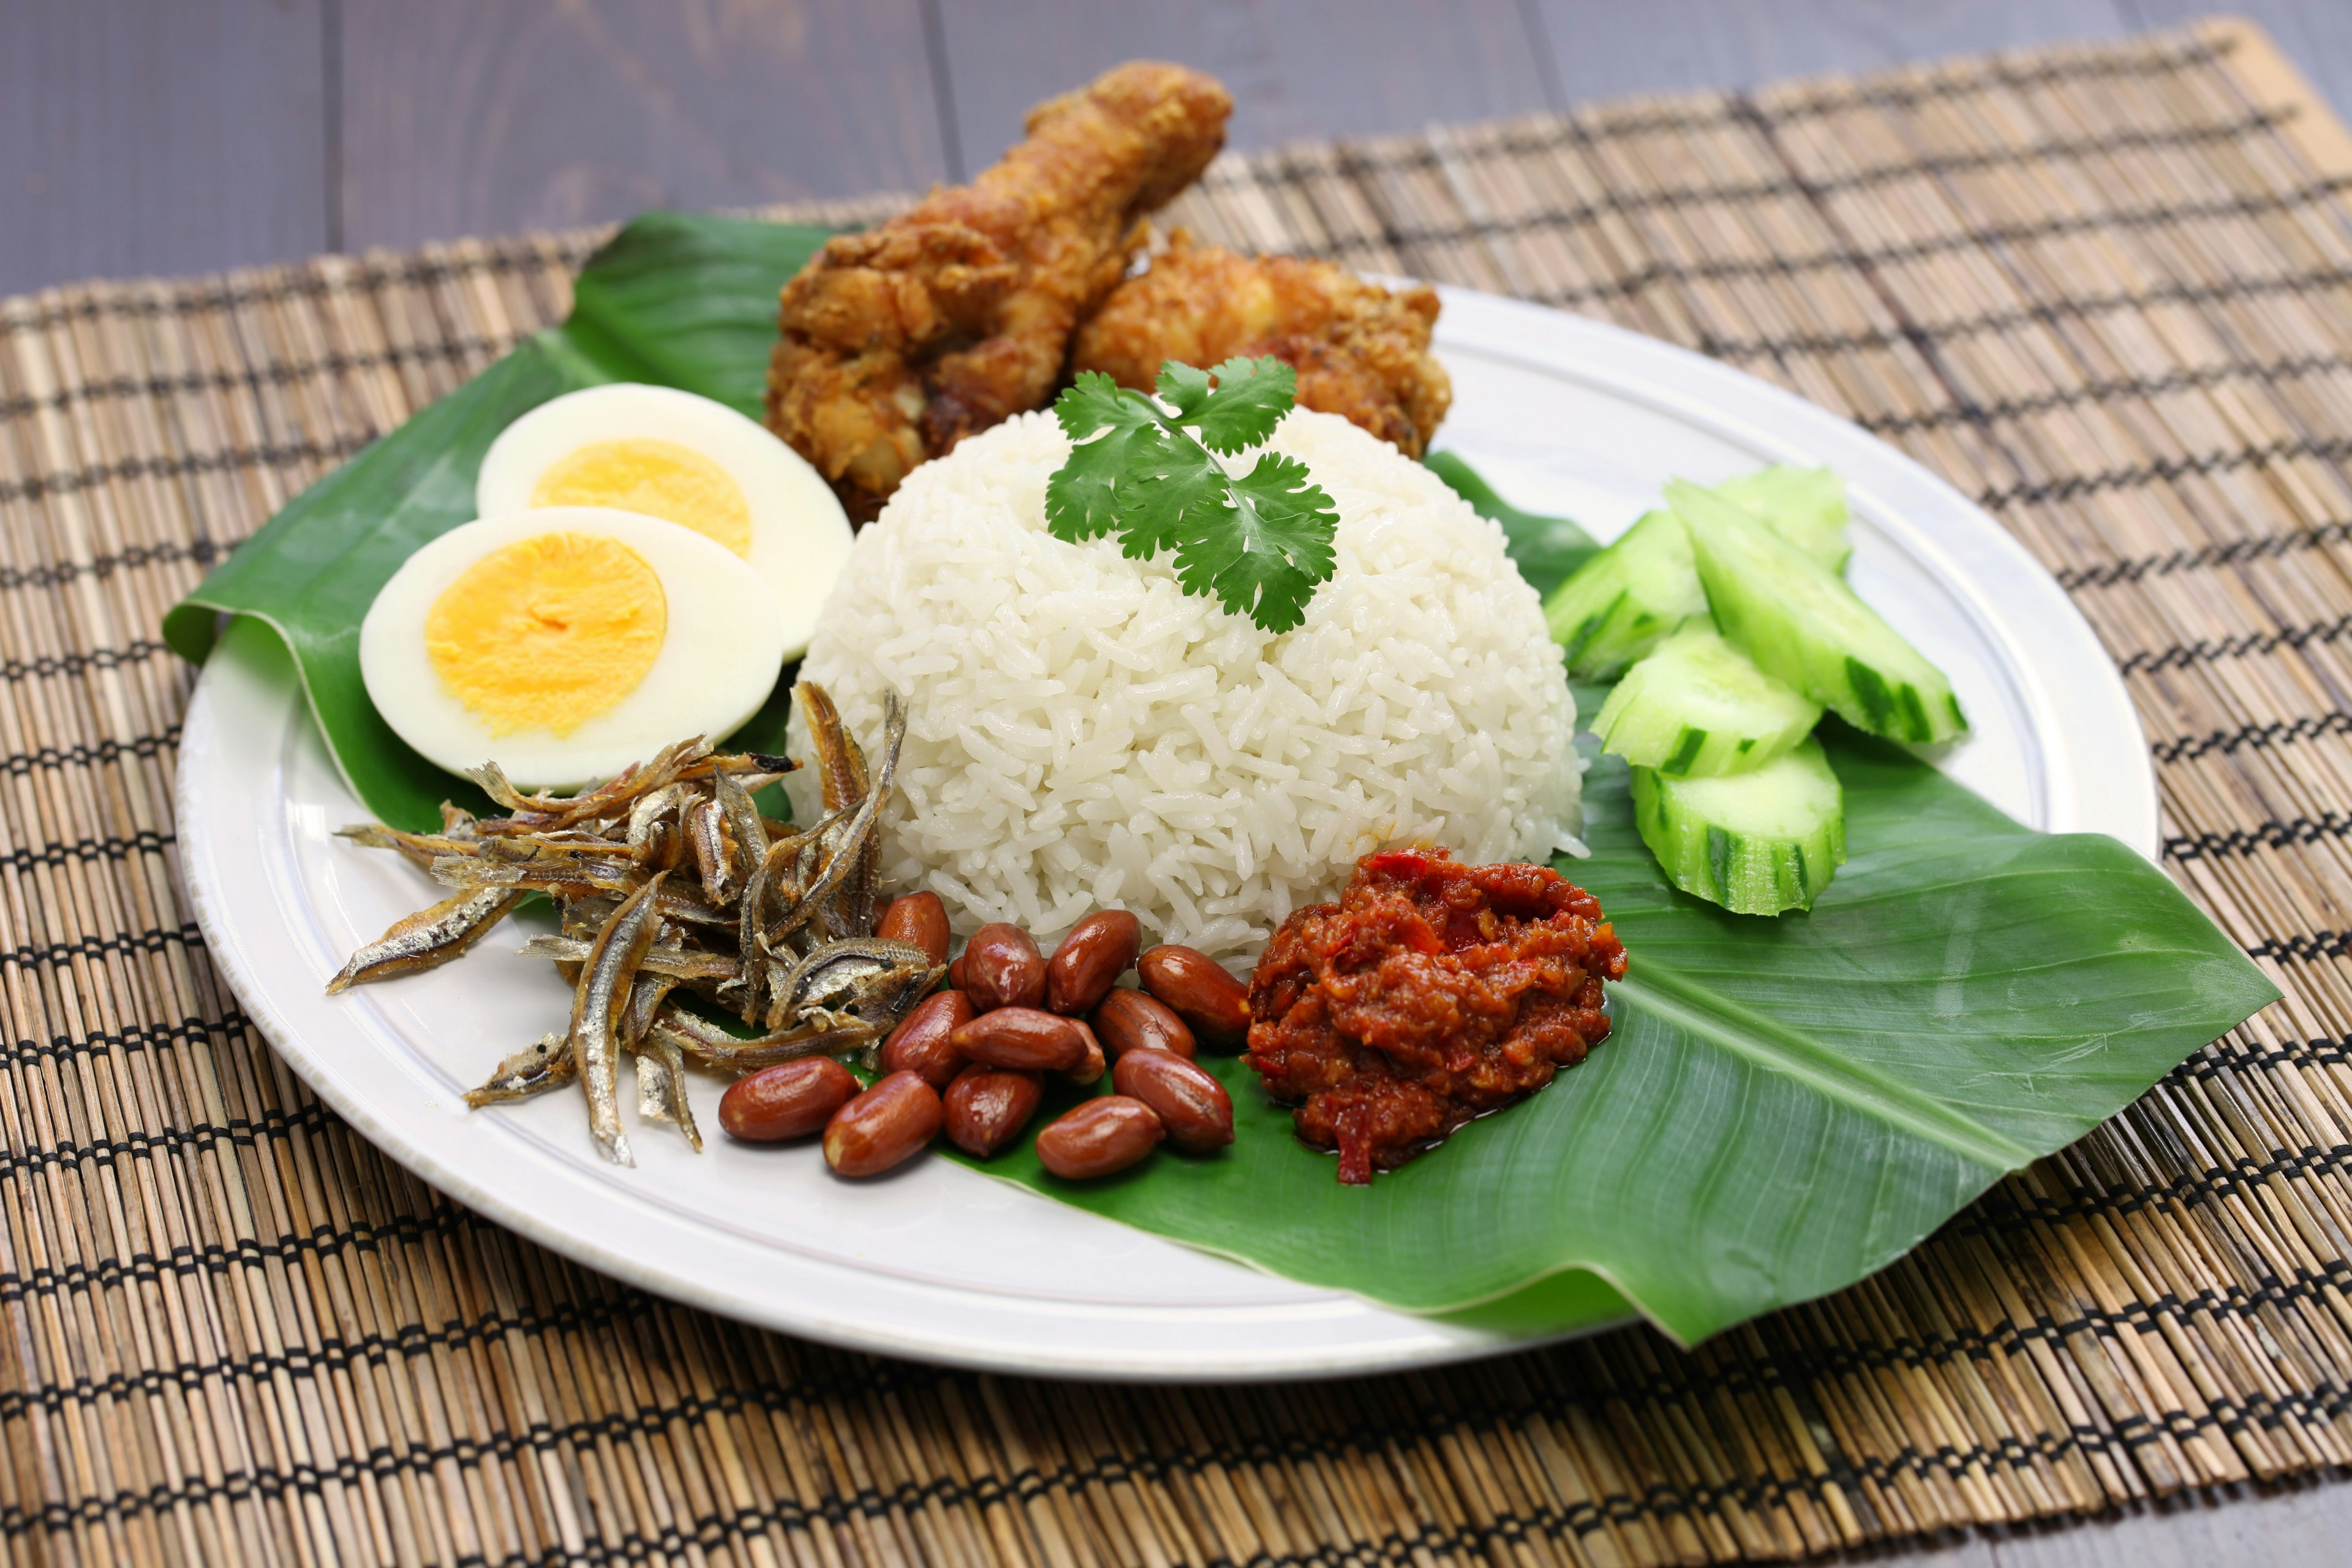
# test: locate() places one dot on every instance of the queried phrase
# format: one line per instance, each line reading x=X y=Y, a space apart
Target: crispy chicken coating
x=1359 y=351
x=899 y=341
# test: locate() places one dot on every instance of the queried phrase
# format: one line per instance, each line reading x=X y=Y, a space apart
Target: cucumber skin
x=1748 y=874
x=1925 y=709
x=1651 y=684
x=1600 y=637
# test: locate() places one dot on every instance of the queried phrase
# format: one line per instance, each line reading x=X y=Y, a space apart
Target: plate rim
x=1704 y=393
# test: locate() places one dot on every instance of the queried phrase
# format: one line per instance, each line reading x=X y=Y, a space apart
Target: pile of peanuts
x=970 y=1060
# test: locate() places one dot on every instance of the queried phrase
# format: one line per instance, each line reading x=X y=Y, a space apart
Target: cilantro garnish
x=1258 y=544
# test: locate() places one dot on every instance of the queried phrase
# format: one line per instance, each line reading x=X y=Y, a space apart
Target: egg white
x=800 y=535
x=717 y=660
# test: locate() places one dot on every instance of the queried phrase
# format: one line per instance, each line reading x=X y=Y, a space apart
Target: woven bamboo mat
x=2109 y=291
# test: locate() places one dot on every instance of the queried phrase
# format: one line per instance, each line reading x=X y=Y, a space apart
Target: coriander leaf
x=1251 y=397
x=1263 y=556
x=1185 y=389
x=1167 y=494
x=1259 y=544
x=1082 y=498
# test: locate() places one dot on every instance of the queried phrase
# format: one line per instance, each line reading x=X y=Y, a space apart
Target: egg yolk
x=549 y=631
x=656 y=479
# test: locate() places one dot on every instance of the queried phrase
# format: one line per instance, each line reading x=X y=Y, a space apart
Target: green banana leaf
x=1785 y=1104
x=683 y=301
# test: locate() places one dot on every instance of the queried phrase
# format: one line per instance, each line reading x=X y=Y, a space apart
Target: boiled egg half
x=565 y=643
x=688 y=460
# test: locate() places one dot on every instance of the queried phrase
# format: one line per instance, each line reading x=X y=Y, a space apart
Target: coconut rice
x=1081 y=734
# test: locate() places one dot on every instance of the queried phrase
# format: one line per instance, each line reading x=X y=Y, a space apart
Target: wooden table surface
x=172 y=136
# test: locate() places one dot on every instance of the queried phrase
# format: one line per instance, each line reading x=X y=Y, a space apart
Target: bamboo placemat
x=2108 y=291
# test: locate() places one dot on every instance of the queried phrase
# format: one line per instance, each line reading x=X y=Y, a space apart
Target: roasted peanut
x=920 y=1043
x=1200 y=990
x=1099 y=1137
x=955 y=972
x=883 y=1127
x=1003 y=968
x=1127 y=1020
x=919 y=919
x=1090 y=1066
x=791 y=1099
x=1025 y=1039
x=1096 y=953
x=1193 y=1107
x=988 y=1106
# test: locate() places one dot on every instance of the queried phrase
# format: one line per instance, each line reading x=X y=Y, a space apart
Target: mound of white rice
x=1083 y=735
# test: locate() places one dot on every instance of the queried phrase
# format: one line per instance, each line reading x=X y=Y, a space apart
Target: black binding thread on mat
x=2229 y=554
x=2270 y=834
x=199 y=550
x=51 y=759
x=136 y=1040
x=1524 y=142
x=456 y=351
x=2274 y=732
x=2136 y=387
x=93 y=947
x=55 y=664
x=308 y=285
x=2180 y=656
x=180 y=465
x=2329 y=448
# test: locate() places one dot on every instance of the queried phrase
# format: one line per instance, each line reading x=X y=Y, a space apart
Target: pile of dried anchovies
x=668 y=880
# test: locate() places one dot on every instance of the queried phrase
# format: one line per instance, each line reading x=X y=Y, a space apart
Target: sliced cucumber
x=1698 y=708
x=1799 y=621
x=1622 y=604
x=1755 y=843
x=1804 y=506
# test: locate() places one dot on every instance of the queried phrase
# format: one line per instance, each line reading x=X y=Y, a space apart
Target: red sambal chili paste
x=1430 y=993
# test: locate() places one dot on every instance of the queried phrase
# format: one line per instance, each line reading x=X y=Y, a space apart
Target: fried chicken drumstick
x=899 y=341
x=1359 y=351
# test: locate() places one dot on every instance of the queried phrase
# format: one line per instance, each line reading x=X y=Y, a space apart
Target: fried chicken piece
x=900 y=341
x=1361 y=350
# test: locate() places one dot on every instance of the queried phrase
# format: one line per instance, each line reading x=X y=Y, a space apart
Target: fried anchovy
x=569 y=811
x=873 y=973
x=749 y=913
x=843 y=787
x=571 y=882
x=845 y=857
x=595 y=1005
x=646 y=815
x=669 y=959
x=743 y=820
x=661 y=1087
x=706 y=823
x=653 y=1084
x=429 y=938
x=418 y=848
x=534 y=1070
x=759 y=768
x=647 y=995
x=826 y=1035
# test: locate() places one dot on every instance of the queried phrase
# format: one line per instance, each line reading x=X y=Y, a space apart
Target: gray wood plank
x=1330 y=67
x=139 y=138
x=462 y=118
x=2316 y=35
x=1673 y=45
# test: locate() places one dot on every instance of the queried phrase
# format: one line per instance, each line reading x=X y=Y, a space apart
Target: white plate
x=939 y=1262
